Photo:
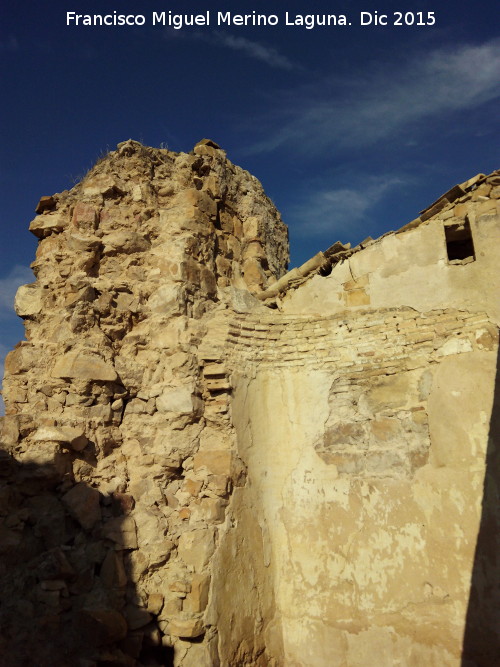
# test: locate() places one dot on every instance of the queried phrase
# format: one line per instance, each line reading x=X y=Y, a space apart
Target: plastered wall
x=412 y=268
x=366 y=475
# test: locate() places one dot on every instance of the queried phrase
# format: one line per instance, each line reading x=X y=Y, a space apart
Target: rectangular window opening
x=459 y=243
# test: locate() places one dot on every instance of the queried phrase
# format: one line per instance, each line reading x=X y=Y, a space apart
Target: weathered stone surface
x=28 y=301
x=67 y=435
x=20 y=360
x=176 y=399
x=85 y=217
x=46 y=224
x=82 y=502
x=122 y=531
x=197 y=598
x=46 y=203
x=186 y=627
x=206 y=454
x=124 y=242
x=113 y=573
x=196 y=547
x=83 y=366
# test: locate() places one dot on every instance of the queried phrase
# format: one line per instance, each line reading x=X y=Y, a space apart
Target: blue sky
x=351 y=129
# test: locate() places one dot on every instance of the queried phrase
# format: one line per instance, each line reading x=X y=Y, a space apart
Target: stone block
x=223 y=266
x=84 y=365
x=28 y=301
x=251 y=227
x=389 y=392
x=218 y=484
x=385 y=428
x=126 y=242
x=179 y=400
x=168 y=300
x=72 y=437
x=217 y=462
x=186 y=627
x=254 y=249
x=46 y=203
x=122 y=531
x=211 y=510
x=84 y=218
x=46 y=224
x=44 y=460
x=196 y=547
x=83 y=243
x=487 y=338
x=455 y=346
x=82 y=502
x=192 y=486
x=208 y=282
x=155 y=603
x=197 y=599
x=112 y=572
x=203 y=150
x=253 y=273
x=21 y=359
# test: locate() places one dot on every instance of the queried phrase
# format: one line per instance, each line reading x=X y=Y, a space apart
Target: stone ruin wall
x=192 y=477
x=119 y=455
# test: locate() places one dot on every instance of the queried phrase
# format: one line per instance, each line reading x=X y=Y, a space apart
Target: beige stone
x=122 y=531
x=196 y=547
x=46 y=224
x=124 y=242
x=45 y=460
x=155 y=603
x=28 y=301
x=217 y=462
x=82 y=502
x=73 y=437
x=83 y=365
x=197 y=598
x=186 y=627
x=20 y=360
x=178 y=400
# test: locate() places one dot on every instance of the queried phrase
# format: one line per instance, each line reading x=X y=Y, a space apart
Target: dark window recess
x=459 y=244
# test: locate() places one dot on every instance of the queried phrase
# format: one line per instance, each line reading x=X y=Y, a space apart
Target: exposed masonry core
x=209 y=461
x=459 y=243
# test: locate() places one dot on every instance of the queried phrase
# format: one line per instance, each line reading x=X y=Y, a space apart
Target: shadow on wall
x=481 y=647
x=66 y=598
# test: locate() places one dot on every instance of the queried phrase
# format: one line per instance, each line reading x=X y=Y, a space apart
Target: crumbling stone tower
x=117 y=402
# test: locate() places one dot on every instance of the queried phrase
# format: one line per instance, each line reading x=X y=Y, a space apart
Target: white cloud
x=255 y=50
x=342 y=212
x=385 y=100
x=19 y=275
x=250 y=48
